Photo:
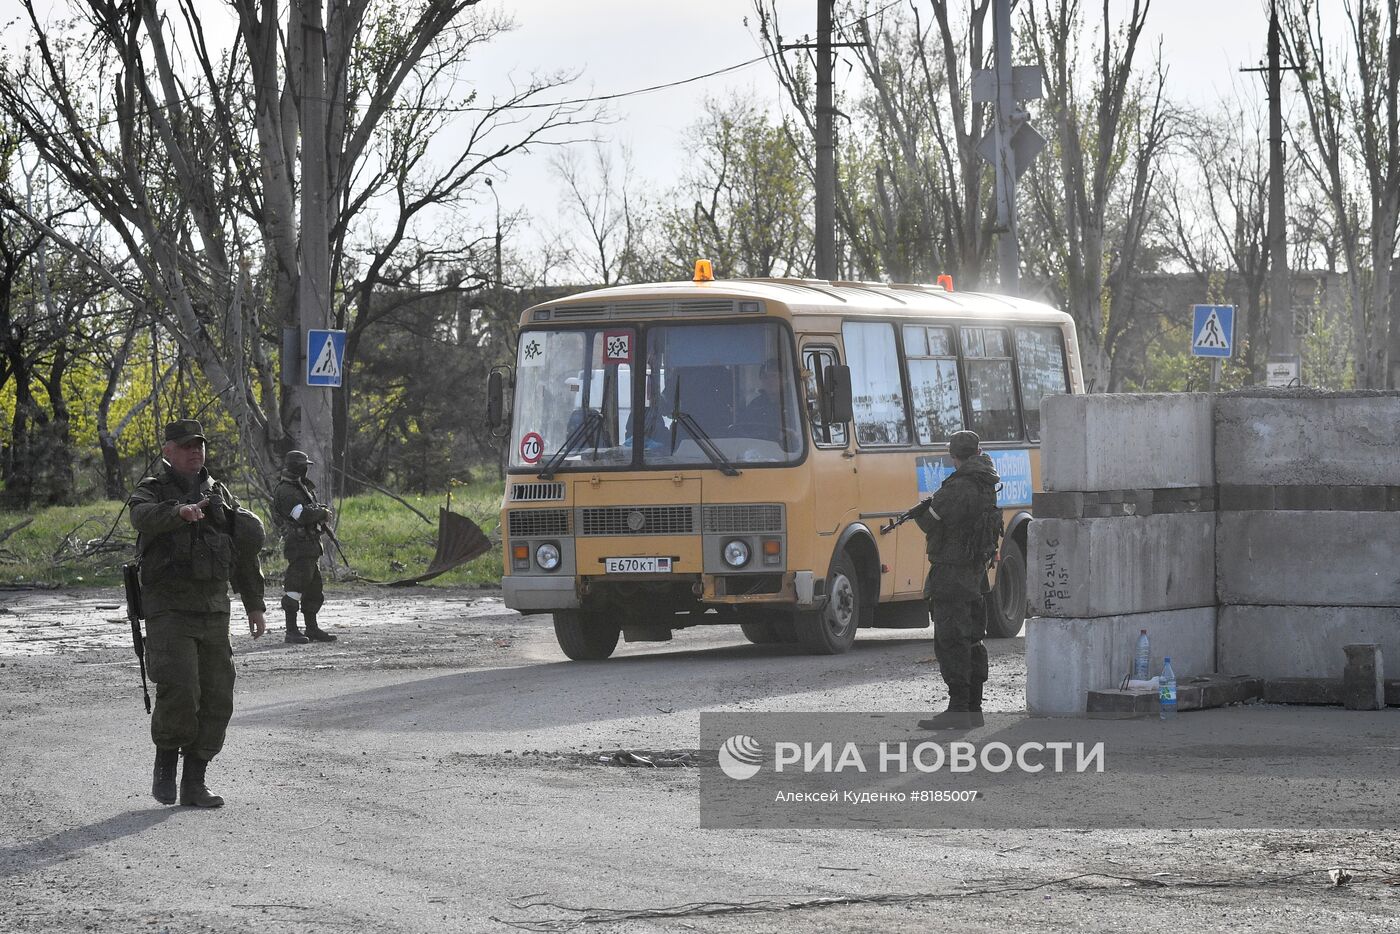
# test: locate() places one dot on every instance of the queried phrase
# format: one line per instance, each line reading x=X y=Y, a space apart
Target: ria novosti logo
x=740 y=757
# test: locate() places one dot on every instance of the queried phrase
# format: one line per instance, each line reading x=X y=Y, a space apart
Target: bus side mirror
x=836 y=401
x=496 y=397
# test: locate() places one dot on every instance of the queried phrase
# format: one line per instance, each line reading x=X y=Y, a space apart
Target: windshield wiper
x=590 y=426
x=706 y=443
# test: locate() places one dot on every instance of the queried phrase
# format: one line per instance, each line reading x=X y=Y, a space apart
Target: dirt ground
x=436 y=770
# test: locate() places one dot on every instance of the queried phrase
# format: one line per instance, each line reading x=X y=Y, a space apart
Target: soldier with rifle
x=962 y=528
x=193 y=540
x=301 y=519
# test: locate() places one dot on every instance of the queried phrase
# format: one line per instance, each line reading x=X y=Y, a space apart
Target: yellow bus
x=726 y=451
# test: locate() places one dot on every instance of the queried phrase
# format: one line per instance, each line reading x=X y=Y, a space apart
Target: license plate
x=637 y=565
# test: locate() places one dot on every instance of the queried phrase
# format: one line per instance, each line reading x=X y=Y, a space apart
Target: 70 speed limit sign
x=531 y=447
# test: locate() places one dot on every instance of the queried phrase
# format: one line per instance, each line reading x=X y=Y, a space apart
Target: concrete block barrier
x=1127 y=441
x=1300 y=641
x=1080 y=568
x=1308 y=558
x=1068 y=658
x=1302 y=437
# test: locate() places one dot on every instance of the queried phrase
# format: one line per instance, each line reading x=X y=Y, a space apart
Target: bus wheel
x=832 y=629
x=585 y=636
x=766 y=627
x=1006 y=604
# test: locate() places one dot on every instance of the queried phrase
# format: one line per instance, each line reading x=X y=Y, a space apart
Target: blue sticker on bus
x=1014 y=466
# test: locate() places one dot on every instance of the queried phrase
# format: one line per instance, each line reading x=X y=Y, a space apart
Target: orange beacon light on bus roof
x=704 y=271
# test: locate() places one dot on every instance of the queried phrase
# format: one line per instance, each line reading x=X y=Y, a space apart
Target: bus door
x=835 y=484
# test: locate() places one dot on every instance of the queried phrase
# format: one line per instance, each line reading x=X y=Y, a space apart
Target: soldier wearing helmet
x=301 y=519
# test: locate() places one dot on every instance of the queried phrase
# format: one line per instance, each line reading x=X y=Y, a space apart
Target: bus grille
x=638 y=520
x=530 y=523
x=536 y=492
x=767 y=517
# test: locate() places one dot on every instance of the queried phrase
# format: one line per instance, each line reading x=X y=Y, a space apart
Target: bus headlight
x=736 y=553
x=547 y=556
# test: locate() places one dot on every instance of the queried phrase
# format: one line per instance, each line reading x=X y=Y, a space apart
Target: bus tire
x=585 y=636
x=764 y=626
x=832 y=629
x=1006 y=604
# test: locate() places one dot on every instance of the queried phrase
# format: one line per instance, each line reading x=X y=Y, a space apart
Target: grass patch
x=382 y=539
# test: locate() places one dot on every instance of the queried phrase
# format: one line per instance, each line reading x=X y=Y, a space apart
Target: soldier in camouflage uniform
x=957 y=579
x=193 y=541
x=300 y=518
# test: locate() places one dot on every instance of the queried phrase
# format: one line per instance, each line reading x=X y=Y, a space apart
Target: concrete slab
x=1326 y=691
x=1300 y=641
x=1308 y=558
x=1307 y=438
x=1068 y=658
x=1127 y=441
x=1080 y=568
x=1199 y=693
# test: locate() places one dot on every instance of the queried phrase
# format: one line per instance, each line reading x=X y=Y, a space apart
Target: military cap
x=296 y=459
x=186 y=429
x=964 y=444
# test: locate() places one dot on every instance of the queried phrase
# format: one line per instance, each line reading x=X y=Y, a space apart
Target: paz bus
x=726 y=451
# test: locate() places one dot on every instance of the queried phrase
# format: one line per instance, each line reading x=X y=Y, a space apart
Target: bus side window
x=814 y=362
x=991 y=390
x=1040 y=360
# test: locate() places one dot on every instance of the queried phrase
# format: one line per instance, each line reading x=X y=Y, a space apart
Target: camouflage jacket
x=188 y=566
x=298 y=516
x=949 y=524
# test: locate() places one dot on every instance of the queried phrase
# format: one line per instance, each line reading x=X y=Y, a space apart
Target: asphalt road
x=438 y=770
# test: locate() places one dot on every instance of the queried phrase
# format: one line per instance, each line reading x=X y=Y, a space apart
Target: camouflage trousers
x=958 y=630
x=190 y=659
x=303 y=578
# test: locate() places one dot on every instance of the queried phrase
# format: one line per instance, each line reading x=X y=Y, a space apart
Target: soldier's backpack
x=985 y=538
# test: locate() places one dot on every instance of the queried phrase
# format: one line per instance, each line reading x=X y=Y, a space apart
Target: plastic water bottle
x=1166 y=692
x=1142 y=661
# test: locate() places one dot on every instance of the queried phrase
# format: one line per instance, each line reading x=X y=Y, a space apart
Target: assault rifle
x=322 y=527
x=912 y=513
x=131 y=577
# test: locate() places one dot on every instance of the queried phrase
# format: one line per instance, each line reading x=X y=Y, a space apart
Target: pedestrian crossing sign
x=325 y=357
x=1213 y=330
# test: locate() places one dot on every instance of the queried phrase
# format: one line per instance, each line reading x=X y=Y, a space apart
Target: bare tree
x=912 y=198
x=1091 y=205
x=607 y=212
x=193 y=166
x=1352 y=154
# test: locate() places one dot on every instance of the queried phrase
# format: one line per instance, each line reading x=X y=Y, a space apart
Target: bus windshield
x=712 y=395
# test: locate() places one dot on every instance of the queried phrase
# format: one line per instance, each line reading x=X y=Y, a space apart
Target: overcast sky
x=620 y=45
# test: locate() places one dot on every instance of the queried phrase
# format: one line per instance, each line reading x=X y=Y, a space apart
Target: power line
x=574 y=102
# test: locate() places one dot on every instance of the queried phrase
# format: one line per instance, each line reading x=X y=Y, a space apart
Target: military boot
x=163 y=779
x=294 y=636
x=957 y=716
x=316 y=633
x=193 y=791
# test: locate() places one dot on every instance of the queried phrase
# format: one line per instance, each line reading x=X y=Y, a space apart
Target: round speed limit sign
x=531 y=447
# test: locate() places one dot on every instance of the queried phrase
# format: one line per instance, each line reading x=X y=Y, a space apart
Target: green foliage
x=382 y=539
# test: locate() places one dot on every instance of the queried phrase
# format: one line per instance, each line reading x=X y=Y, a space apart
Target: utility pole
x=311 y=426
x=1008 y=251
x=826 y=148
x=825 y=138
x=1283 y=361
x=1013 y=143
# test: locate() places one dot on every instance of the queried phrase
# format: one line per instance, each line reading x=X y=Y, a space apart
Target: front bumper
x=532 y=593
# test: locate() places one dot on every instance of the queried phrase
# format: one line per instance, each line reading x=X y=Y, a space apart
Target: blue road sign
x=325 y=357
x=1213 y=330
